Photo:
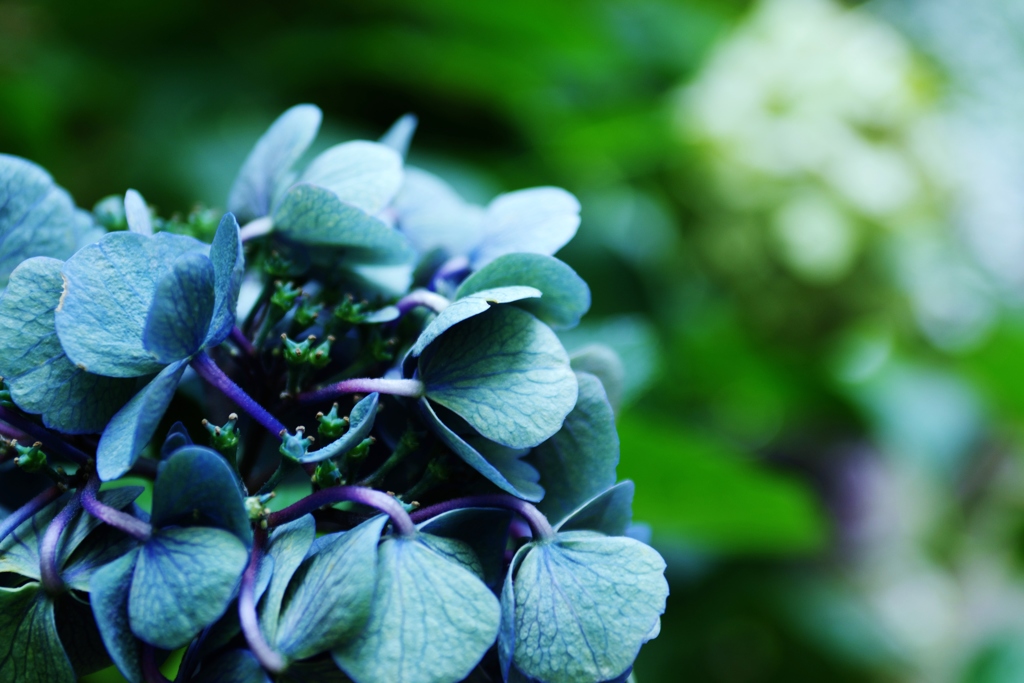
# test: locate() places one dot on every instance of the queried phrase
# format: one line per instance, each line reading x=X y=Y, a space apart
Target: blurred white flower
x=819 y=121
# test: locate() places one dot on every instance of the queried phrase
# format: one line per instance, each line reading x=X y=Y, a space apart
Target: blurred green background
x=804 y=230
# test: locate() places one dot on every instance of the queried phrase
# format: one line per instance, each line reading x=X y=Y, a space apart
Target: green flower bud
x=256 y=506
x=30 y=458
x=224 y=438
x=349 y=311
x=297 y=445
x=284 y=296
x=297 y=353
x=327 y=475
x=362 y=450
x=306 y=314
x=331 y=426
x=321 y=355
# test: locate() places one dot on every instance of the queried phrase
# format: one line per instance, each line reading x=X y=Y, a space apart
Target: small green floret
x=284 y=296
x=297 y=353
x=295 y=446
x=256 y=506
x=327 y=474
x=331 y=425
x=30 y=458
x=321 y=355
x=307 y=313
x=225 y=437
x=362 y=450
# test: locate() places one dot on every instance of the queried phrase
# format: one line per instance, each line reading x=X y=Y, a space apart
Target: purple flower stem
x=422 y=297
x=209 y=371
x=267 y=657
x=132 y=526
x=239 y=338
x=51 y=441
x=15 y=519
x=353 y=494
x=9 y=432
x=539 y=524
x=412 y=388
x=150 y=670
x=452 y=267
x=49 y=572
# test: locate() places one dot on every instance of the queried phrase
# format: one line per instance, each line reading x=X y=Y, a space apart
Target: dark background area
x=831 y=479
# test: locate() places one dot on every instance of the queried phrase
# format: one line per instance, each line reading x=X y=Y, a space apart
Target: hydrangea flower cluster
x=461 y=518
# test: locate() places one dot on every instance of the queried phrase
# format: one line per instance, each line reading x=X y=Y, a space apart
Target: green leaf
x=433 y=216
x=579 y=461
x=182 y=308
x=196 y=486
x=30 y=649
x=133 y=426
x=361 y=421
x=108 y=289
x=315 y=216
x=565 y=296
x=505 y=373
x=699 y=489
x=362 y=174
x=609 y=512
x=184 y=580
x=502 y=466
x=332 y=593
x=229 y=267
x=37 y=218
x=467 y=307
x=32 y=362
x=108 y=594
x=584 y=604
x=287 y=548
x=267 y=167
x=431 y=620
x=540 y=220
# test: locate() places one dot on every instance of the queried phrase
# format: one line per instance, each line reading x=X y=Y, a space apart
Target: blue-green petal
x=32 y=362
x=37 y=218
x=197 y=486
x=179 y=316
x=505 y=373
x=269 y=163
x=134 y=425
x=108 y=289
x=184 y=580
x=565 y=297
x=579 y=461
